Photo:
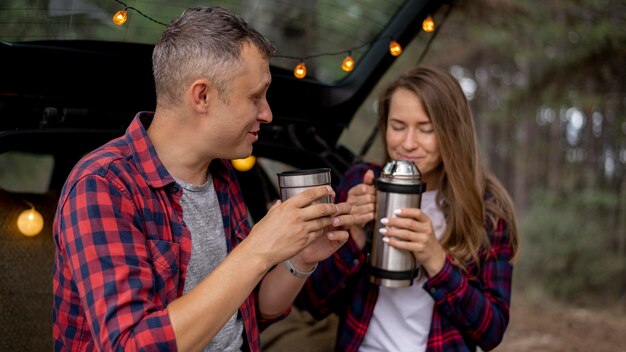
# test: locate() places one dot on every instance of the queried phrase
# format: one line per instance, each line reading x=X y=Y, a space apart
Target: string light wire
x=300 y=70
x=437 y=28
x=372 y=136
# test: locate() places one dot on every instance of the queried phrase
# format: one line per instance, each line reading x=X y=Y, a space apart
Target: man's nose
x=265 y=114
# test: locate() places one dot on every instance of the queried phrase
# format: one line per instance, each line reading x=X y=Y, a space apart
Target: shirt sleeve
x=478 y=306
x=111 y=265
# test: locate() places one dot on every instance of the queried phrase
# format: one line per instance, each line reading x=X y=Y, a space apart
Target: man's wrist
x=297 y=273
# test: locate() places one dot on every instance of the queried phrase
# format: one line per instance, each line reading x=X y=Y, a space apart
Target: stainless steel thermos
x=399 y=186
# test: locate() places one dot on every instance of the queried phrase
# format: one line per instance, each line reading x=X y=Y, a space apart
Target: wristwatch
x=297 y=273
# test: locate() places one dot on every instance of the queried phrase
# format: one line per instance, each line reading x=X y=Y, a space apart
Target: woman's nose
x=410 y=140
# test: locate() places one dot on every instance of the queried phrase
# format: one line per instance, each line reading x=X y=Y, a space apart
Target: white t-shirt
x=402 y=315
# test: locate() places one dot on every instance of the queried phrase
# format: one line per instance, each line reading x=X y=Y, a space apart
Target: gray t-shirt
x=203 y=217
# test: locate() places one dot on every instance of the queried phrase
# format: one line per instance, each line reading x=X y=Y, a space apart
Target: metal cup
x=296 y=181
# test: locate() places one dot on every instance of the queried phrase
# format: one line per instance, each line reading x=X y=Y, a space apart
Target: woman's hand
x=362 y=199
x=412 y=230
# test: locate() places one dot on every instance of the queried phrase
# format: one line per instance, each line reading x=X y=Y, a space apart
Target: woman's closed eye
x=426 y=129
x=397 y=126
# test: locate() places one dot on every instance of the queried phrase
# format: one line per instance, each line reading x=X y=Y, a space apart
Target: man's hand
x=290 y=226
x=324 y=246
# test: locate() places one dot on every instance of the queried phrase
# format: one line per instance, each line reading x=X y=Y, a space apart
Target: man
x=153 y=246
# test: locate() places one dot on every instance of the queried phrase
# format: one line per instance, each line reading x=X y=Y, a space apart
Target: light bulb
x=428 y=25
x=347 y=64
x=244 y=164
x=30 y=222
x=300 y=71
x=394 y=48
x=120 y=17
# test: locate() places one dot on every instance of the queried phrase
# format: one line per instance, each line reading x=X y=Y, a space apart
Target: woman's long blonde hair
x=469 y=194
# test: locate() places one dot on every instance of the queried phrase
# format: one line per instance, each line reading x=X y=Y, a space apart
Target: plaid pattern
x=471 y=309
x=122 y=248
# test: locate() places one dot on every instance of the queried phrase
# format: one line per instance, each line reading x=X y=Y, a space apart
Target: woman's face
x=410 y=136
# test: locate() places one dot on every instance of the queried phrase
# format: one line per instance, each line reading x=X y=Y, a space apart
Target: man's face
x=238 y=116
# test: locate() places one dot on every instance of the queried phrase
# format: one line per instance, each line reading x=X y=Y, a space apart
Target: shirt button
x=174 y=188
x=356 y=262
x=433 y=290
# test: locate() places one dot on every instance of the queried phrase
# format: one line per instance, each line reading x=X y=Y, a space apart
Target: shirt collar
x=142 y=149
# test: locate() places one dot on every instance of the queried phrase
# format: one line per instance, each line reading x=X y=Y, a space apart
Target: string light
x=395 y=49
x=348 y=63
x=120 y=17
x=300 y=70
x=428 y=25
x=30 y=222
x=244 y=164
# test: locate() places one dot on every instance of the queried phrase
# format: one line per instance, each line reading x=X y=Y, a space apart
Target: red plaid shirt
x=471 y=309
x=122 y=248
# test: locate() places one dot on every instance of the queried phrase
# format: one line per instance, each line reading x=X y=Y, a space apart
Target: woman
x=464 y=236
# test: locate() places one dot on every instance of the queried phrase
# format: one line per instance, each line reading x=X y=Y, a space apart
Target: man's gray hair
x=202 y=42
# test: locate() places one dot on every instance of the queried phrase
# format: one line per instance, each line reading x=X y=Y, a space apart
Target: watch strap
x=297 y=273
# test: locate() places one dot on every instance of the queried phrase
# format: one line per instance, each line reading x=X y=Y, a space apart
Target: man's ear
x=199 y=95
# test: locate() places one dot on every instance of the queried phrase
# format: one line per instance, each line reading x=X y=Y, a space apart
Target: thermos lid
x=400 y=176
x=401 y=170
x=304 y=178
